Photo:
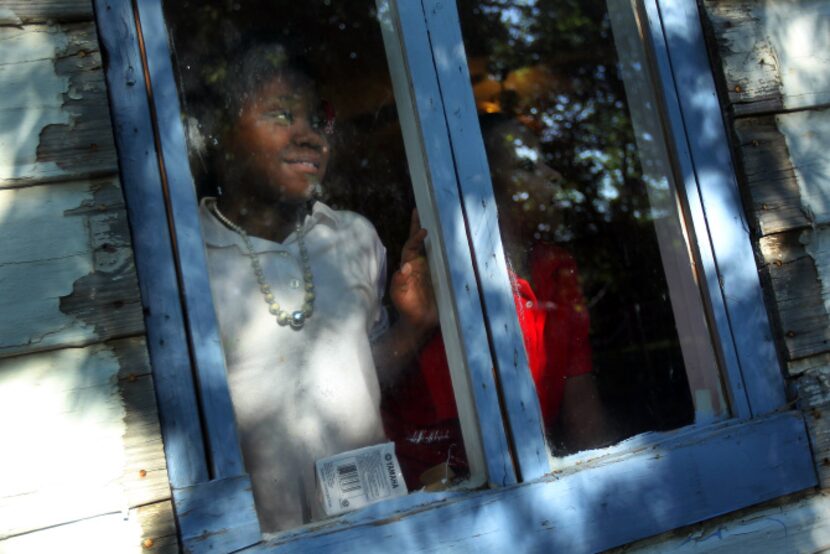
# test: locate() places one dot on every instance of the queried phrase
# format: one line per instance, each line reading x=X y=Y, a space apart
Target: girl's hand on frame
x=411 y=289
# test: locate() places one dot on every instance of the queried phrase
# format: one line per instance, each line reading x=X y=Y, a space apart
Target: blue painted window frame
x=645 y=485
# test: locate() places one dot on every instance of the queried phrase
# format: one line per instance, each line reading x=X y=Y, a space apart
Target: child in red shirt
x=419 y=412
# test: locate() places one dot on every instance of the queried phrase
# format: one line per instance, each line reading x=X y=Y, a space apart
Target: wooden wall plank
x=774 y=53
x=799 y=293
x=144 y=477
x=84 y=419
x=769 y=176
x=806 y=365
x=158 y=528
x=786 y=168
x=54 y=120
x=18 y=12
x=741 y=43
x=68 y=277
x=143 y=530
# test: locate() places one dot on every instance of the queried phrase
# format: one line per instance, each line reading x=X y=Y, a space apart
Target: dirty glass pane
x=612 y=318
x=299 y=163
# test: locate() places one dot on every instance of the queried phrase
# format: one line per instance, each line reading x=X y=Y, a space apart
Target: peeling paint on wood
x=41 y=11
x=106 y=534
x=774 y=53
x=9 y=17
x=741 y=43
x=54 y=120
x=68 y=278
x=807 y=134
x=803 y=318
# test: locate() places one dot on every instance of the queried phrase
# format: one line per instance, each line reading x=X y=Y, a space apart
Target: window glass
x=613 y=324
x=305 y=202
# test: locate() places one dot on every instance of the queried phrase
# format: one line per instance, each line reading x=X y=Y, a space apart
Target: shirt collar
x=217 y=234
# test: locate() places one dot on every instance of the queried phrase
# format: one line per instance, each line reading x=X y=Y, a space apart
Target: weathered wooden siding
x=86 y=435
x=776 y=79
x=18 y=12
x=774 y=72
x=68 y=275
x=83 y=467
x=774 y=53
x=54 y=122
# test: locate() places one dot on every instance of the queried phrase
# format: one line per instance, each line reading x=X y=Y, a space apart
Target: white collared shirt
x=299 y=395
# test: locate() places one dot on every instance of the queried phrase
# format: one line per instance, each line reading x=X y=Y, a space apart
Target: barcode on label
x=348 y=478
x=353 y=479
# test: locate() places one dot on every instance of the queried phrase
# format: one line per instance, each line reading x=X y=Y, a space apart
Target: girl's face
x=523 y=183
x=278 y=151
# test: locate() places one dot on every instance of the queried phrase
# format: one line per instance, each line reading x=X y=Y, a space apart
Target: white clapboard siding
x=143 y=530
x=18 y=12
x=68 y=275
x=54 y=120
x=774 y=52
x=85 y=436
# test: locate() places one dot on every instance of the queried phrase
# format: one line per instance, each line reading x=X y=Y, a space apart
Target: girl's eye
x=281 y=116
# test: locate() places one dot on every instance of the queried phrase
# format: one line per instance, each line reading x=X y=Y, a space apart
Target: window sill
x=683 y=477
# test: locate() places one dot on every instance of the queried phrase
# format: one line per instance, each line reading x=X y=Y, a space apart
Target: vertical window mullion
x=699 y=355
x=225 y=455
x=717 y=216
x=437 y=197
x=518 y=390
x=140 y=179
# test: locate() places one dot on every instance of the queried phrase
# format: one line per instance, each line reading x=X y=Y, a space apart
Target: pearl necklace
x=297 y=318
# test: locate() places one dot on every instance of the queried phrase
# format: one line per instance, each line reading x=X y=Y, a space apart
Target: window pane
x=305 y=201
x=614 y=327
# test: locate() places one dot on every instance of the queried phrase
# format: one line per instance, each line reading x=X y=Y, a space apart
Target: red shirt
x=420 y=413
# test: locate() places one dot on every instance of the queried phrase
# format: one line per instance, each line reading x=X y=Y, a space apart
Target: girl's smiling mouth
x=305 y=165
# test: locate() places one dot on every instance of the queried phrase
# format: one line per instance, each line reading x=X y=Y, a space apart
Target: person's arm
x=413 y=298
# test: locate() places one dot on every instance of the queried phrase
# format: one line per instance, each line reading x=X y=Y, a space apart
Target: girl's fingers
x=414 y=222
